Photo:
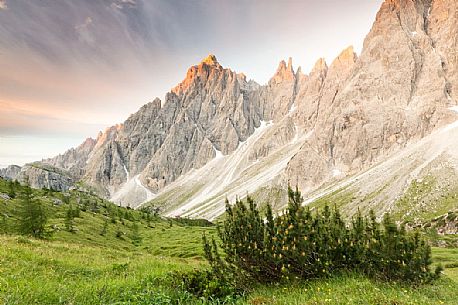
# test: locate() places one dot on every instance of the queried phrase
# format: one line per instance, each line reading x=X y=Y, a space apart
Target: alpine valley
x=377 y=131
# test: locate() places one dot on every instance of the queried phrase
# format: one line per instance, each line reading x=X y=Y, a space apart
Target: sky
x=71 y=68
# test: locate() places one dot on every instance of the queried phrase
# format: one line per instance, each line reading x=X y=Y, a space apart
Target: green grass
x=339 y=198
x=354 y=289
x=425 y=200
x=448 y=258
x=87 y=268
x=54 y=272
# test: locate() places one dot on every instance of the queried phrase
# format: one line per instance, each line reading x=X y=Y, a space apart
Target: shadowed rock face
x=39 y=175
x=347 y=115
x=10 y=172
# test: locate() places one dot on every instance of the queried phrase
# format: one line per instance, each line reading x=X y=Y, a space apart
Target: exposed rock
x=56 y=201
x=370 y=106
x=74 y=160
x=4 y=196
x=44 y=176
x=10 y=172
x=277 y=97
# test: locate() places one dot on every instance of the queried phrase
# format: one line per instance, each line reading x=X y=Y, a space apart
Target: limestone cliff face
x=277 y=98
x=43 y=176
x=10 y=172
x=441 y=21
x=335 y=121
x=212 y=113
x=398 y=90
x=39 y=175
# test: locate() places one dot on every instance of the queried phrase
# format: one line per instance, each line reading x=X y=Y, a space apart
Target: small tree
x=3 y=223
x=70 y=219
x=11 y=189
x=119 y=233
x=105 y=227
x=136 y=237
x=77 y=212
x=32 y=215
x=148 y=219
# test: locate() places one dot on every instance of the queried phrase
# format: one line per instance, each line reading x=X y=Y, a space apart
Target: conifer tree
x=69 y=219
x=32 y=215
x=136 y=237
x=3 y=223
x=105 y=227
x=148 y=218
x=11 y=189
x=119 y=233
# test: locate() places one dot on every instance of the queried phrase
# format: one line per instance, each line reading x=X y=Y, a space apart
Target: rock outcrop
x=39 y=175
x=10 y=172
x=43 y=176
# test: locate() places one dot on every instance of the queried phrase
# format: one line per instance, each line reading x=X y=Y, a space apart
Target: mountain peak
x=290 y=64
x=348 y=54
x=284 y=72
x=319 y=66
x=208 y=64
x=210 y=60
x=346 y=58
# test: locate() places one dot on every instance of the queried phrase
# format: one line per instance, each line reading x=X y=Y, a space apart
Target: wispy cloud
x=119 y=4
x=35 y=117
x=84 y=31
x=85 y=24
x=3 y=5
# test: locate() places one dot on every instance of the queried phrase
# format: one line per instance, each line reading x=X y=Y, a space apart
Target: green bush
x=205 y=284
x=193 y=222
x=302 y=245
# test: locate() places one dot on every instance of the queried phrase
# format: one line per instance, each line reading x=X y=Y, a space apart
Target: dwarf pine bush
x=301 y=244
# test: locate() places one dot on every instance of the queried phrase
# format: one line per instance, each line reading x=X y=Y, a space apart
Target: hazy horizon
x=72 y=68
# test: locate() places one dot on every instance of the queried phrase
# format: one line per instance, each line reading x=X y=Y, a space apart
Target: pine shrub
x=305 y=244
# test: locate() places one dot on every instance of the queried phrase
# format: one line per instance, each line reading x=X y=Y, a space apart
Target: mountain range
x=378 y=130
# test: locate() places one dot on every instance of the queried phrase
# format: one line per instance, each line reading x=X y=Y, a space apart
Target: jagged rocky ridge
x=217 y=134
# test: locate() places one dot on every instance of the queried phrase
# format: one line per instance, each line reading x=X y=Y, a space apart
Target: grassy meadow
x=106 y=260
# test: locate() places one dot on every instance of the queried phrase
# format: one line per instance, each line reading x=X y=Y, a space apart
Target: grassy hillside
x=86 y=267
x=161 y=237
